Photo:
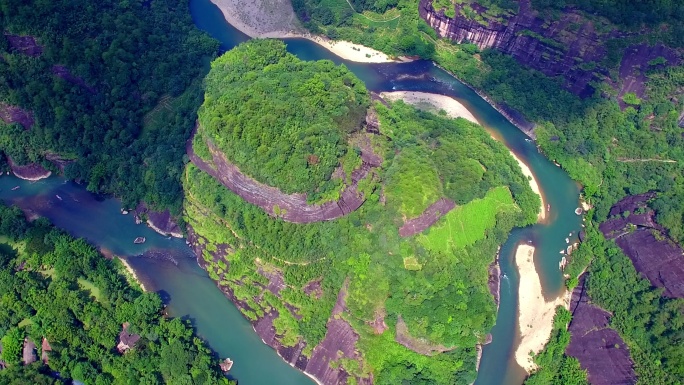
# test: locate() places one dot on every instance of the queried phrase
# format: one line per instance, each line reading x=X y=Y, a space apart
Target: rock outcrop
x=339 y=341
x=658 y=258
x=160 y=221
x=26 y=45
x=31 y=171
x=64 y=73
x=571 y=46
x=428 y=218
x=290 y=207
x=598 y=348
x=13 y=114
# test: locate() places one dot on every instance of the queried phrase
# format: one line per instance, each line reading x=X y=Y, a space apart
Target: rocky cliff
x=569 y=45
x=658 y=258
x=322 y=363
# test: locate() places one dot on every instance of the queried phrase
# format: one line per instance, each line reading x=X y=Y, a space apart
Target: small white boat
x=58 y=197
x=16 y=188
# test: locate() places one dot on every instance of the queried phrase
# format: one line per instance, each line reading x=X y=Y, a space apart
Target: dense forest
x=60 y=290
x=630 y=13
x=129 y=96
x=286 y=121
x=431 y=287
x=615 y=145
x=393 y=27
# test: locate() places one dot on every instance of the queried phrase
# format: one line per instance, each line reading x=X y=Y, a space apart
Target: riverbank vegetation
x=114 y=92
x=613 y=145
x=440 y=296
x=650 y=324
x=393 y=27
x=62 y=295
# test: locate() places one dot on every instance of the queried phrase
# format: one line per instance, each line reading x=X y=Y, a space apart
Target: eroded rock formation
x=64 y=73
x=290 y=207
x=658 y=258
x=339 y=341
x=26 y=45
x=160 y=221
x=31 y=171
x=571 y=46
x=428 y=218
x=599 y=349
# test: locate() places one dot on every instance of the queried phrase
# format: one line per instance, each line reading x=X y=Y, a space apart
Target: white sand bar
x=276 y=19
x=432 y=103
x=535 y=314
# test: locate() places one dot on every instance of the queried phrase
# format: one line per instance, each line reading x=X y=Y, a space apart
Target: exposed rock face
x=599 y=349
x=64 y=73
x=289 y=207
x=26 y=45
x=646 y=243
x=339 y=341
x=13 y=114
x=31 y=171
x=161 y=222
x=571 y=47
x=428 y=218
x=494 y=281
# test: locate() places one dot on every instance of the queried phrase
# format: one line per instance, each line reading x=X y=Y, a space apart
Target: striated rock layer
x=597 y=347
x=646 y=243
x=339 y=341
x=571 y=46
x=290 y=207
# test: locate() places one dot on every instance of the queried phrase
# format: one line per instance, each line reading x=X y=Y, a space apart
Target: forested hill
x=63 y=307
x=402 y=307
x=113 y=88
x=622 y=137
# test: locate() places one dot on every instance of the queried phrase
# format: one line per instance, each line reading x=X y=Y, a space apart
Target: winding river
x=168 y=266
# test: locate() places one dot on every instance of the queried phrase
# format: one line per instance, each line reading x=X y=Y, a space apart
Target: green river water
x=168 y=266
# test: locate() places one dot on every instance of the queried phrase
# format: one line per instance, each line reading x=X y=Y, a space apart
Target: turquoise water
x=168 y=266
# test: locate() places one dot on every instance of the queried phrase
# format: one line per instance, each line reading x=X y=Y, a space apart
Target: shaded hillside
x=112 y=86
x=352 y=284
x=583 y=51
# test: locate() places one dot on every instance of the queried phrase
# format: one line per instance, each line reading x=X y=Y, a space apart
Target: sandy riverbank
x=535 y=314
x=432 y=102
x=276 y=19
x=132 y=272
x=533 y=185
